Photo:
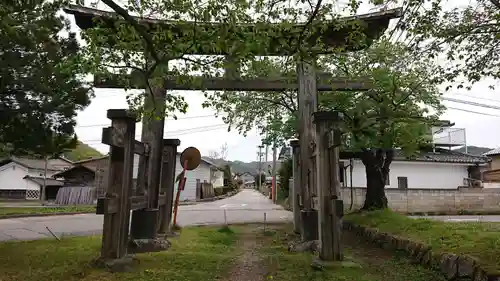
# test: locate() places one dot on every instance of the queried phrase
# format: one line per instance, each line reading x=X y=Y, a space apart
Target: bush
x=223 y=190
x=285 y=173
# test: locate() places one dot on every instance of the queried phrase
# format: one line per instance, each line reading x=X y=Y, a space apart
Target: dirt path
x=248 y=266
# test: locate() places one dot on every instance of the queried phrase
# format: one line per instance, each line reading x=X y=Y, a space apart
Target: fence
x=76 y=195
x=432 y=200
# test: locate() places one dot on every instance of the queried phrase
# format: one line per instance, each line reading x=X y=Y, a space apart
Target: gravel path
x=248 y=267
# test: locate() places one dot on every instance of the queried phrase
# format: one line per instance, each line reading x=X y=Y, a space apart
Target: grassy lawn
x=364 y=262
x=5 y=211
x=479 y=240
x=200 y=253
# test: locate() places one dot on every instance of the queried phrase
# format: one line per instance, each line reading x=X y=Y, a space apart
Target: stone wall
x=454 y=267
x=432 y=200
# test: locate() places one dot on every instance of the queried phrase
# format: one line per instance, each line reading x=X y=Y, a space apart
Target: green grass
x=363 y=262
x=200 y=253
x=6 y=211
x=479 y=240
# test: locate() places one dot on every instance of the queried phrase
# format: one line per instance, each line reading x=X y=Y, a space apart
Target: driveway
x=462 y=218
x=245 y=207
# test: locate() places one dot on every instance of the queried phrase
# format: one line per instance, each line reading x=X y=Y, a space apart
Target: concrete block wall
x=432 y=200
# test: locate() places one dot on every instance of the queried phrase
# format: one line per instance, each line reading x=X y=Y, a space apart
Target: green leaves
x=40 y=79
x=465 y=37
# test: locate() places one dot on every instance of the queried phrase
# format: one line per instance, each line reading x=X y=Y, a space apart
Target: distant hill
x=474 y=150
x=241 y=167
x=81 y=152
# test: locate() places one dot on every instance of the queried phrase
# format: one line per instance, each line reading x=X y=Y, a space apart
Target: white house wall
x=12 y=178
x=218 y=180
x=202 y=173
x=421 y=175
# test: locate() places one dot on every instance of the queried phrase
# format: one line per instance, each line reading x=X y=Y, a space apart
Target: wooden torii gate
x=306 y=81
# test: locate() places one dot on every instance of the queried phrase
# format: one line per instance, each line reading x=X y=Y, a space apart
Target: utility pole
x=274 y=189
x=259 y=154
x=44 y=187
x=267 y=154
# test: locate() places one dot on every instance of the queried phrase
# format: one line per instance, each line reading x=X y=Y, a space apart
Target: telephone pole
x=274 y=185
x=259 y=154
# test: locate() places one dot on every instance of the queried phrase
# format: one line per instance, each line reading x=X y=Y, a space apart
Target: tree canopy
x=40 y=79
x=466 y=36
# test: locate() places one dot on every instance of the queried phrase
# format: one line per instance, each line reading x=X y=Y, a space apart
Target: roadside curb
x=17 y=216
x=216 y=198
x=453 y=266
x=454 y=213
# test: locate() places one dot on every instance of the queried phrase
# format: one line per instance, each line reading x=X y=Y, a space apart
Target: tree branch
x=137 y=26
x=496 y=3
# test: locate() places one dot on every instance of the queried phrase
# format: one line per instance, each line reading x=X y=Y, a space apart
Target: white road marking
x=232 y=206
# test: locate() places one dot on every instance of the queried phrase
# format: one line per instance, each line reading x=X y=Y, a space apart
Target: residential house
x=434 y=167
x=491 y=174
x=84 y=172
x=23 y=177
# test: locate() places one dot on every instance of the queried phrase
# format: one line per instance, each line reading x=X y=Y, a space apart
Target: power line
x=475 y=112
x=172 y=119
x=471 y=103
x=474 y=97
x=179 y=132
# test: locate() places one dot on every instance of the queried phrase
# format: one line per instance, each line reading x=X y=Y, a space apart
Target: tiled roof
x=438 y=155
x=492 y=152
x=49 y=182
x=78 y=166
x=32 y=163
x=442 y=155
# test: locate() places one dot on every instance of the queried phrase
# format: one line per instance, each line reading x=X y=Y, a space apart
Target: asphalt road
x=245 y=207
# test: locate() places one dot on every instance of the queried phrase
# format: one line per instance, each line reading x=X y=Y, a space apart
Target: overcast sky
x=199 y=128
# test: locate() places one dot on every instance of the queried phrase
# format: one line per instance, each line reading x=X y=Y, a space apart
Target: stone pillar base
x=124 y=264
x=309 y=225
x=148 y=245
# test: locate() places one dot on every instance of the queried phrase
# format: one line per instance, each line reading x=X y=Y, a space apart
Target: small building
x=23 y=177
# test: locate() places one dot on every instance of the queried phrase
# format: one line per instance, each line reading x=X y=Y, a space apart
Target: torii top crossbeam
x=333 y=34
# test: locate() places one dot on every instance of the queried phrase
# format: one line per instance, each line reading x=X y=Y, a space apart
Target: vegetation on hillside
x=82 y=151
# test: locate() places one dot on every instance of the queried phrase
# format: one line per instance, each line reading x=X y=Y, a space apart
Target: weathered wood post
x=116 y=203
x=149 y=168
x=329 y=234
x=297 y=185
x=168 y=183
x=335 y=142
x=308 y=104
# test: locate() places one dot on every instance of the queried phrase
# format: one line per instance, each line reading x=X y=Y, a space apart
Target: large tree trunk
x=377 y=163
